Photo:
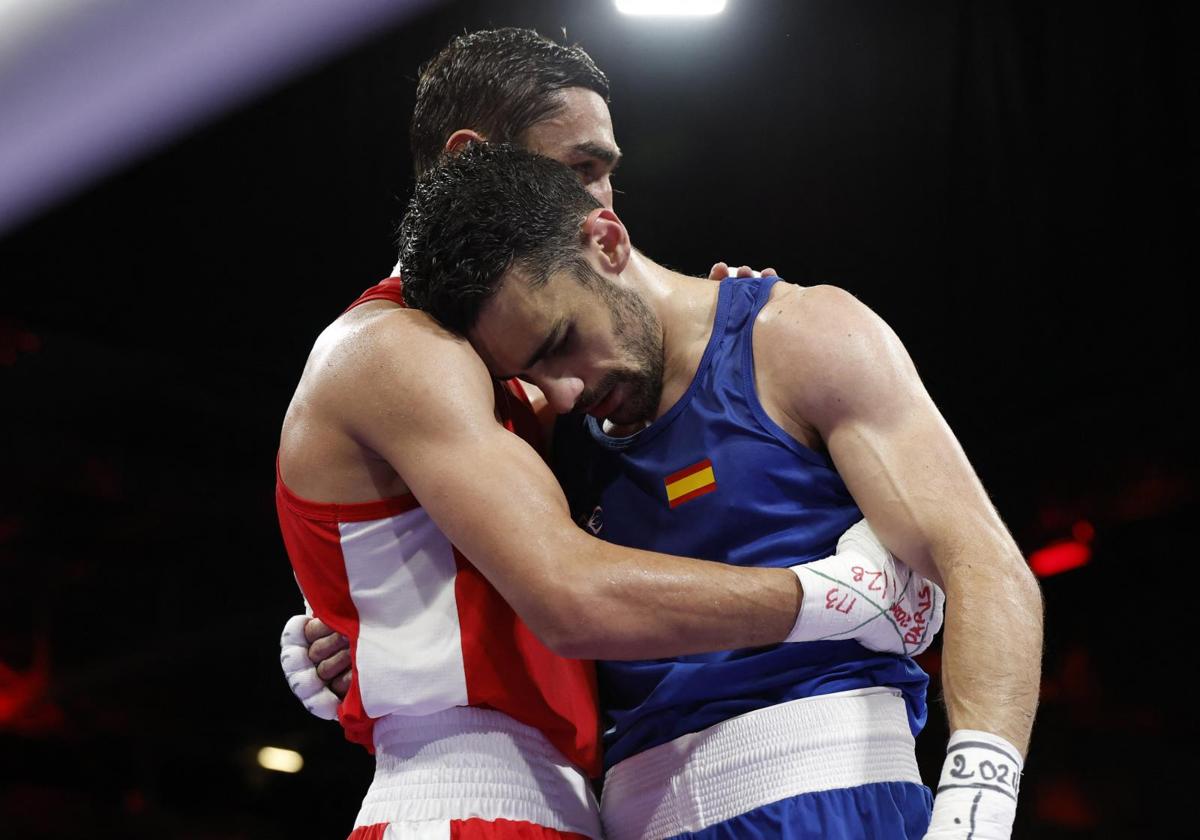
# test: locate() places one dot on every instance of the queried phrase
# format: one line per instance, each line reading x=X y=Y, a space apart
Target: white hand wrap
x=301 y=673
x=863 y=593
x=977 y=794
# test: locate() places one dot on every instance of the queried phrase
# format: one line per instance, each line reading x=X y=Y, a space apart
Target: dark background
x=1011 y=185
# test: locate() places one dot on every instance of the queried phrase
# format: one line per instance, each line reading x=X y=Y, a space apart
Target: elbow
x=569 y=644
x=566 y=632
x=1020 y=581
x=572 y=604
x=1006 y=579
x=563 y=618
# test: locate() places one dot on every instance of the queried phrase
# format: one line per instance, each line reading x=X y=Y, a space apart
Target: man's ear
x=462 y=138
x=603 y=232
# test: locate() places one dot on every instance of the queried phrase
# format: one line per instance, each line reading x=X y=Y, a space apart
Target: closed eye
x=587 y=171
x=562 y=345
x=595 y=161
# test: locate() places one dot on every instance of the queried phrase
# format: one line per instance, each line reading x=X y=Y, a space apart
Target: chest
x=717 y=485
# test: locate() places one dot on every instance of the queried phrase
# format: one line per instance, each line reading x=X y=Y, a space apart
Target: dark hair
x=493 y=207
x=498 y=82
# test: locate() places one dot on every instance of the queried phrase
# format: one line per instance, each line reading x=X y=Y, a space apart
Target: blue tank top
x=716 y=478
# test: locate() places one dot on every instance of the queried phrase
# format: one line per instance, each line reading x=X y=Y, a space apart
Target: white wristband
x=977 y=794
x=863 y=593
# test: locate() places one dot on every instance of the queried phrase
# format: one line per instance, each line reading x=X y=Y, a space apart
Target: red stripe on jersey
x=699 y=491
x=368 y=832
x=686 y=471
x=351 y=512
x=509 y=669
x=560 y=701
x=477 y=829
x=390 y=288
x=314 y=544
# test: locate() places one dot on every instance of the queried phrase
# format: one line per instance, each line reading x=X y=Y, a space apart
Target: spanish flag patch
x=690 y=482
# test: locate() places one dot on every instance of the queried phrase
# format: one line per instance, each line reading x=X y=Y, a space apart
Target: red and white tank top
x=427 y=631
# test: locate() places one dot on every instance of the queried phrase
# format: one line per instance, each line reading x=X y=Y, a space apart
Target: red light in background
x=1083 y=532
x=1063 y=803
x=25 y=704
x=1058 y=558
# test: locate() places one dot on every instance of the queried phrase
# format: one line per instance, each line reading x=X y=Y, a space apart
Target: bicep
x=889 y=442
x=485 y=488
x=912 y=480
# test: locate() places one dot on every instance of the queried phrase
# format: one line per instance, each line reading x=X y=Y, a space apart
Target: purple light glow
x=102 y=83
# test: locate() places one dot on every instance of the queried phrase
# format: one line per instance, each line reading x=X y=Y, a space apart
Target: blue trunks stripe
x=881 y=811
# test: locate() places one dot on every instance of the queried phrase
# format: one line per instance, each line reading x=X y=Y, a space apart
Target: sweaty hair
x=498 y=82
x=470 y=219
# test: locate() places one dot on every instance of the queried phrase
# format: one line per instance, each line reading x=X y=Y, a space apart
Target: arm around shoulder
x=431 y=414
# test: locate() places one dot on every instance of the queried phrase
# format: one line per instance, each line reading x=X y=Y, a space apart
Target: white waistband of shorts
x=818 y=743
x=466 y=762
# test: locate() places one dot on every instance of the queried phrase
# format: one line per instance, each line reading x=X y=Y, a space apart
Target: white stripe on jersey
x=409 y=657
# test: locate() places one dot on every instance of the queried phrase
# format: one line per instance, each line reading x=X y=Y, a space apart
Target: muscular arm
x=424 y=402
x=851 y=381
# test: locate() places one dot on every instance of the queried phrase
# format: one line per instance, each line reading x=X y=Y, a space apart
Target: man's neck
x=686 y=307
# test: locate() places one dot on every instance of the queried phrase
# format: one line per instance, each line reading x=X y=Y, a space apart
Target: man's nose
x=561 y=392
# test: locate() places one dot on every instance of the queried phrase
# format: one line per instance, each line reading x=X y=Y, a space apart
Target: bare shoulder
x=817 y=315
x=377 y=378
x=382 y=368
x=402 y=338
x=388 y=357
x=823 y=349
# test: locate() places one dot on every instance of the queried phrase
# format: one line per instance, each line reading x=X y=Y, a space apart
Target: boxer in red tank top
x=419 y=515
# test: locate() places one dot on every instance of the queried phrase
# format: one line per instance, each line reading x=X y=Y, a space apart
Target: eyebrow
x=608 y=154
x=547 y=344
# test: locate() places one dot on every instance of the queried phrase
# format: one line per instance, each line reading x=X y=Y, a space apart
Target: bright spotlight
x=280 y=760
x=671 y=8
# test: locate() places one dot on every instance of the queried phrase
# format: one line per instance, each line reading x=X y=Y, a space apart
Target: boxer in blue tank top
x=767 y=501
x=751 y=495
x=736 y=401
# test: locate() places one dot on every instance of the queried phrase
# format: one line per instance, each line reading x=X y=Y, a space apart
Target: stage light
x=671 y=8
x=1059 y=557
x=280 y=760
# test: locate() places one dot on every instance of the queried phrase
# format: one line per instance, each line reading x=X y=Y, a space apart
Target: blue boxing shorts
x=838 y=766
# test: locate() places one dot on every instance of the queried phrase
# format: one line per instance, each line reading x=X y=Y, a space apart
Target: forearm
x=611 y=602
x=992 y=645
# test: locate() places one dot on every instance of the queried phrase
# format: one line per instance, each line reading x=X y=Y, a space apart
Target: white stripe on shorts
x=429 y=830
x=828 y=742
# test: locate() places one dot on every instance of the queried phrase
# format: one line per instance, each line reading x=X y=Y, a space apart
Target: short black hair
x=470 y=219
x=499 y=82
